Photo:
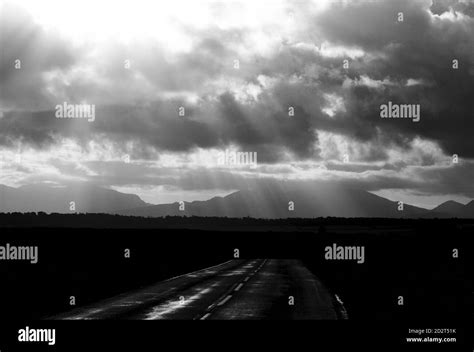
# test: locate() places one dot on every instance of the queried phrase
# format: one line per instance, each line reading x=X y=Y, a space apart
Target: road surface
x=237 y=289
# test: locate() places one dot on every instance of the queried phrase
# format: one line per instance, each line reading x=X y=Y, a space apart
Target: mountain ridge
x=65 y=199
x=274 y=201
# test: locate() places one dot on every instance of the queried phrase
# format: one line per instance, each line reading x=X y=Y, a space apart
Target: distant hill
x=49 y=199
x=270 y=201
x=452 y=209
x=468 y=210
x=273 y=202
x=449 y=208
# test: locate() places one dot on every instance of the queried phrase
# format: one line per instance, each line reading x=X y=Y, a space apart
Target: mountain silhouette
x=281 y=201
x=449 y=208
x=468 y=210
x=57 y=199
x=269 y=201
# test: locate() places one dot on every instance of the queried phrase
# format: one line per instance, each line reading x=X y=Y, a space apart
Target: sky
x=175 y=84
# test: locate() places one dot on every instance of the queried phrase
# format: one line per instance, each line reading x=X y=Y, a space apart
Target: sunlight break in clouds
x=299 y=83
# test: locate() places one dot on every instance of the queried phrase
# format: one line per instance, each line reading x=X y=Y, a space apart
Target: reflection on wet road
x=237 y=289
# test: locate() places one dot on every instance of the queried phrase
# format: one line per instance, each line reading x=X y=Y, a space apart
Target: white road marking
x=173 y=305
x=239 y=287
x=205 y=316
x=339 y=300
x=247 y=279
x=224 y=301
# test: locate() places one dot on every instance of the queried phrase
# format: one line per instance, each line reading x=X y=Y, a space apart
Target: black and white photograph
x=171 y=161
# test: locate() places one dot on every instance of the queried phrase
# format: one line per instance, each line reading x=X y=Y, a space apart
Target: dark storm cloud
x=159 y=125
x=217 y=121
x=456 y=179
x=435 y=180
x=421 y=47
x=39 y=52
x=132 y=105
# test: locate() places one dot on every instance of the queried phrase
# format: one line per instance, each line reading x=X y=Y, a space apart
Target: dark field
x=406 y=258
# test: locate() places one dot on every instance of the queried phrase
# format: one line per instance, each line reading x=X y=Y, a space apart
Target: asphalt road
x=237 y=289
